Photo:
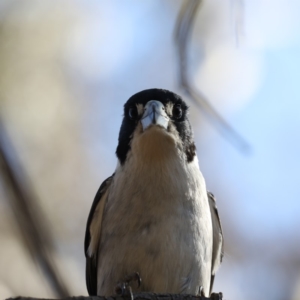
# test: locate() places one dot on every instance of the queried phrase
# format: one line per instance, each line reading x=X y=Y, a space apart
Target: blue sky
x=269 y=184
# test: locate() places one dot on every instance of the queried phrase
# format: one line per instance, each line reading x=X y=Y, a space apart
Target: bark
x=139 y=296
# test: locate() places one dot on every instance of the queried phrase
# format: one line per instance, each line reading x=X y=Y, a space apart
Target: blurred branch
x=140 y=296
x=28 y=215
x=183 y=29
x=238 y=8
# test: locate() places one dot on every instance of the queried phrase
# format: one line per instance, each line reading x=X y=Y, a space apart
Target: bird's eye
x=133 y=113
x=177 y=111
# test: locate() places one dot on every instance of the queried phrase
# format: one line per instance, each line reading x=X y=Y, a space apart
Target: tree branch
x=183 y=29
x=139 y=296
x=29 y=216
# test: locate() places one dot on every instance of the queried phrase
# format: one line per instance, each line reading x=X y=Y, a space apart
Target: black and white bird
x=154 y=215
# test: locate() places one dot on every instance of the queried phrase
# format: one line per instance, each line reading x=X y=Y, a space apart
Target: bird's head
x=154 y=118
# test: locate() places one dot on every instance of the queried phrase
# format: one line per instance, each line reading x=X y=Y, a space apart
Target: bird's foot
x=123 y=288
x=216 y=296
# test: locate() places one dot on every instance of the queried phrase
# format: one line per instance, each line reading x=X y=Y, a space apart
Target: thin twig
x=183 y=29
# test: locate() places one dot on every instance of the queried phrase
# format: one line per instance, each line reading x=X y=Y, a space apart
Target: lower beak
x=154 y=114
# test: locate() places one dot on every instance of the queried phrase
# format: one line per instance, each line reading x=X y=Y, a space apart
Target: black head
x=175 y=108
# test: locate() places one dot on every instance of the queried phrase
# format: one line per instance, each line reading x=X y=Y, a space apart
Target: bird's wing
x=92 y=236
x=218 y=241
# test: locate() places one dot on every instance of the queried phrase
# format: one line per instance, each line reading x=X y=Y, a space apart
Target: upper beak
x=154 y=114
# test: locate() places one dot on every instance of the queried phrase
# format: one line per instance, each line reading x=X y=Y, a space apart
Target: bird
x=153 y=220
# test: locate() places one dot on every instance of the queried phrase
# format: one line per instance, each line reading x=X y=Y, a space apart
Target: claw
x=123 y=287
x=138 y=279
x=133 y=277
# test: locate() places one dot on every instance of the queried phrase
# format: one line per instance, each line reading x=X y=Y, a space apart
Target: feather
x=218 y=241
x=92 y=236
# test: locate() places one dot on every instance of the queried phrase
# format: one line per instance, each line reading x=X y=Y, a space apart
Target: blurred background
x=67 y=68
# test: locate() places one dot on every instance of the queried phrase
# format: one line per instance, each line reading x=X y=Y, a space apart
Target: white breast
x=157 y=221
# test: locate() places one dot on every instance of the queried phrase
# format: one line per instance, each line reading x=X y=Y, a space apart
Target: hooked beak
x=154 y=114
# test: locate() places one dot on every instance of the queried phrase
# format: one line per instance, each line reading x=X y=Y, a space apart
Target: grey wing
x=92 y=236
x=218 y=241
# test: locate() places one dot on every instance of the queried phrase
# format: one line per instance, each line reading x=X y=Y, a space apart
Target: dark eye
x=133 y=113
x=177 y=111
